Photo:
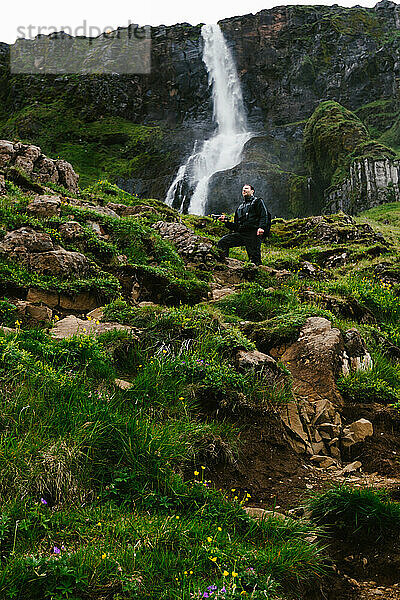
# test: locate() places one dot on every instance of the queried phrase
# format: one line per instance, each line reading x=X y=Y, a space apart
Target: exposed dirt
x=277 y=477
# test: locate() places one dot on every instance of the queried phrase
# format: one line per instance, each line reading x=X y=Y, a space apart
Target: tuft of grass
x=363 y=514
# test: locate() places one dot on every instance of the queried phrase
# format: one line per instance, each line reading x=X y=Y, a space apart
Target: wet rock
x=45 y=206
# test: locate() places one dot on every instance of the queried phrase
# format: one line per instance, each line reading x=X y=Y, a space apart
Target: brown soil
x=277 y=477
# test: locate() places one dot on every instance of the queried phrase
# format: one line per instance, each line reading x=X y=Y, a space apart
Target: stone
x=219 y=293
x=80 y=302
x=147 y=304
x=38 y=166
x=26 y=240
x=40 y=313
x=45 y=206
x=49 y=298
x=101 y=210
x=138 y=209
x=328 y=430
x=261 y=514
x=253 y=360
x=187 y=243
x=71 y=325
x=71 y=230
x=96 y=314
x=318 y=447
x=358 y=431
x=123 y=385
x=350 y=468
x=315 y=360
x=59 y=262
x=298 y=437
x=322 y=461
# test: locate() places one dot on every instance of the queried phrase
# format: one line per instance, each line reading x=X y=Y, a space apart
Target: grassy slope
x=104 y=494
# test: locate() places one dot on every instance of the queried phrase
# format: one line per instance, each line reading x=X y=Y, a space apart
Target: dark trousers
x=251 y=241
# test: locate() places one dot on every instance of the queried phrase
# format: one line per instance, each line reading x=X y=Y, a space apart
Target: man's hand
x=260 y=231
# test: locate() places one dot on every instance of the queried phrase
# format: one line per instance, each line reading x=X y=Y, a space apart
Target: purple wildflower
x=43 y=501
x=223 y=590
x=56 y=550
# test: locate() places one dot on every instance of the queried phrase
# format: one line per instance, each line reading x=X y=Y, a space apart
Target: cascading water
x=223 y=150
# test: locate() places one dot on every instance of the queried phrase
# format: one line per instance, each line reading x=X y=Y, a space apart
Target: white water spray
x=224 y=149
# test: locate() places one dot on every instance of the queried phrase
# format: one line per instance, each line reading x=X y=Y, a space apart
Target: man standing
x=248 y=227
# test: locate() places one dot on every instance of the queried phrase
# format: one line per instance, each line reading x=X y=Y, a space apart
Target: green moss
x=22 y=180
x=334 y=137
x=358 y=21
x=108 y=147
x=298 y=194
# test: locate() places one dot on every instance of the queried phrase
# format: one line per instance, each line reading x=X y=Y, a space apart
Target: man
x=248 y=227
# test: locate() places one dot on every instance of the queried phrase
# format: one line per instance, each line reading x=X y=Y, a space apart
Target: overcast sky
x=53 y=15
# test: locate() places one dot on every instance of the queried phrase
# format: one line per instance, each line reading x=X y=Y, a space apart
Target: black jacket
x=250 y=215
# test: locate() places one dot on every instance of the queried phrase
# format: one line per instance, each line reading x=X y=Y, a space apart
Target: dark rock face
x=289 y=59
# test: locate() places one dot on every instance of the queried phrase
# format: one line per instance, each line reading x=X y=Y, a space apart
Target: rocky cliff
x=137 y=129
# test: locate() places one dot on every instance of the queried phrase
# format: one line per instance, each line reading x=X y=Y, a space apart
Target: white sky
x=74 y=13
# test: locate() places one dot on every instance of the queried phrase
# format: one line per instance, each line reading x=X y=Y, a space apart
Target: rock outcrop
x=72 y=325
x=35 y=250
x=37 y=166
x=313 y=420
x=189 y=245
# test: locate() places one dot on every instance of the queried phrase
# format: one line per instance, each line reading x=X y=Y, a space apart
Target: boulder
x=40 y=313
x=38 y=166
x=71 y=326
x=100 y=210
x=45 y=206
x=187 y=243
x=256 y=361
x=71 y=231
x=49 y=298
x=26 y=240
x=357 y=432
x=80 y=302
x=315 y=360
x=59 y=262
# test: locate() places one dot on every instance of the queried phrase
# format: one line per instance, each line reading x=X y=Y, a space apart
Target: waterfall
x=223 y=150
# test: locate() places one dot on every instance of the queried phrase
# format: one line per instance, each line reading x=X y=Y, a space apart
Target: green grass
x=360 y=514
